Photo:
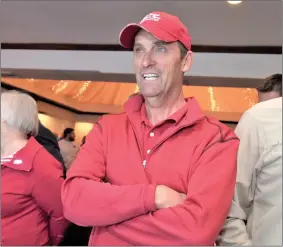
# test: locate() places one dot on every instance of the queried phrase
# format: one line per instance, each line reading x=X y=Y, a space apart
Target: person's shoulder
x=266 y=109
x=210 y=132
x=215 y=130
x=249 y=119
x=114 y=116
x=254 y=111
x=256 y=115
x=46 y=163
x=111 y=120
x=61 y=143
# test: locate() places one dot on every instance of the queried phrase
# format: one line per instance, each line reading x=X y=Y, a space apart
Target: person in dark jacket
x=47 y=139
x=74 y=235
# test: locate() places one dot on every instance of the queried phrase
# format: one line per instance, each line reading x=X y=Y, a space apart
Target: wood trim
x=45 y=100
x=117 y=47
x=79 y=113
x=65 y=102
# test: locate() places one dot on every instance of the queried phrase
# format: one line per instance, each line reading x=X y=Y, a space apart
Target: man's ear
x=187 y=61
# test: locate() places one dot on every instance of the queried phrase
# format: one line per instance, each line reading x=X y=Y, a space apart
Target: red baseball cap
x=161 y=25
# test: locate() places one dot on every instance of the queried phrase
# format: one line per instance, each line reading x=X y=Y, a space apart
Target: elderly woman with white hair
x=31 y=209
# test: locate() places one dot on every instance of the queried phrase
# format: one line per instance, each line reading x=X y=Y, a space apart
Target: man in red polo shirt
x=160 y=173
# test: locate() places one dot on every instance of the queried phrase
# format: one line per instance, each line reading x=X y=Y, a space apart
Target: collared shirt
x=258 y=194
x=31 y=210
x=151 y=134
x=69 y=151
x=7 y=159
x=190 y=153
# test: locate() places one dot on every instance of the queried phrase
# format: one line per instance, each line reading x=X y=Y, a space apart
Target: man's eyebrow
x=137 y=44
x=160 y=42
x=157 y=42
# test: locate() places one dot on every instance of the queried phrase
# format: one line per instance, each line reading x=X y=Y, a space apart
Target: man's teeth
x=150 y=76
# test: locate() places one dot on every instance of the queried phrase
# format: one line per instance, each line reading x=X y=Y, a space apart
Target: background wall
x=57 y=119
x=81 y=130
x=204 y=64
x=56 y=125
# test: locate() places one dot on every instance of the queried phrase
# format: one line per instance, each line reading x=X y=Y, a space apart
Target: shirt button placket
x=144 y=163
x=151 y=134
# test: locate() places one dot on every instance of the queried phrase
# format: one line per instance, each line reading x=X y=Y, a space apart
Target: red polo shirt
x=151 y=133
x=31 y=210
x=188 y=152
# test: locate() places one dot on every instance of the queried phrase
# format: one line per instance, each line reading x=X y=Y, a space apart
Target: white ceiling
x=252 y=23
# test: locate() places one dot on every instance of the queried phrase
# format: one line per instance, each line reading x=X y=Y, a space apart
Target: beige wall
x=54 y=118
x=81 y=130
x=56 y=125
x=57 y=119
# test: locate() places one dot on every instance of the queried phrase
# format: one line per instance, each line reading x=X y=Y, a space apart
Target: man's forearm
x=90 y=203
x=171 y=226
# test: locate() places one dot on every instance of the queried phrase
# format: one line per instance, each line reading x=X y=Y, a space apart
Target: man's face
x=267 y=96
x=72 y=136
x=158 y=66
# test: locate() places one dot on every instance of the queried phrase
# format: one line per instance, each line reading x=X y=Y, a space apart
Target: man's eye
x=137 y=50
x=161 y=49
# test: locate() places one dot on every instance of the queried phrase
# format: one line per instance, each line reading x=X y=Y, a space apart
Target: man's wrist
x=150 y=195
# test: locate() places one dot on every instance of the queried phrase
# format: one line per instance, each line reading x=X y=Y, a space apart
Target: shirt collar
x=175 y=117
x=272 y=103
x=191 y=110
x=23 y=159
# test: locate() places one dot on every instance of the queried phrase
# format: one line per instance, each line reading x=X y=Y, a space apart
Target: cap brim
x=128 y=33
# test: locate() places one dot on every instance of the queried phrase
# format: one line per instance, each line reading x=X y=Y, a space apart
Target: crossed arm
x=143 y=214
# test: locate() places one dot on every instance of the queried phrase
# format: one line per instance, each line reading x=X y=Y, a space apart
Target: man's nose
x=148 y=60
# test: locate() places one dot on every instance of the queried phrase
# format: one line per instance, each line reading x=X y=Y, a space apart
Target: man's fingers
x=183 y=196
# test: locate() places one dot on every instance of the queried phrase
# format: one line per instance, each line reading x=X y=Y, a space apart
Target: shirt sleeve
x=46 y=191
x=199 y=220
x=88 y=201
x=234 y=231
x=269 y=187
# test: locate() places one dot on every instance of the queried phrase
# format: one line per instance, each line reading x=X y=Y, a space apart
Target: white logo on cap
x=18 y=162
x=151 y=17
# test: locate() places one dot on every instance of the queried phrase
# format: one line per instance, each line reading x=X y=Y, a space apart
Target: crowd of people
x=160 y=173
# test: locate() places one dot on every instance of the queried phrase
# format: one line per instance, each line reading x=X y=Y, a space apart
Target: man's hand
x=166 y=197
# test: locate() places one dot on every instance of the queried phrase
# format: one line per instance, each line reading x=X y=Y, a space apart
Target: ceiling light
x=234 y=2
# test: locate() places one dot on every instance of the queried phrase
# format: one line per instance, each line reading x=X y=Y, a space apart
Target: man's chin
x=150 y=94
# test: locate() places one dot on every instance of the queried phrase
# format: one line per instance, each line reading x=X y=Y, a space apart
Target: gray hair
x=183 y=49
x=19 y=110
